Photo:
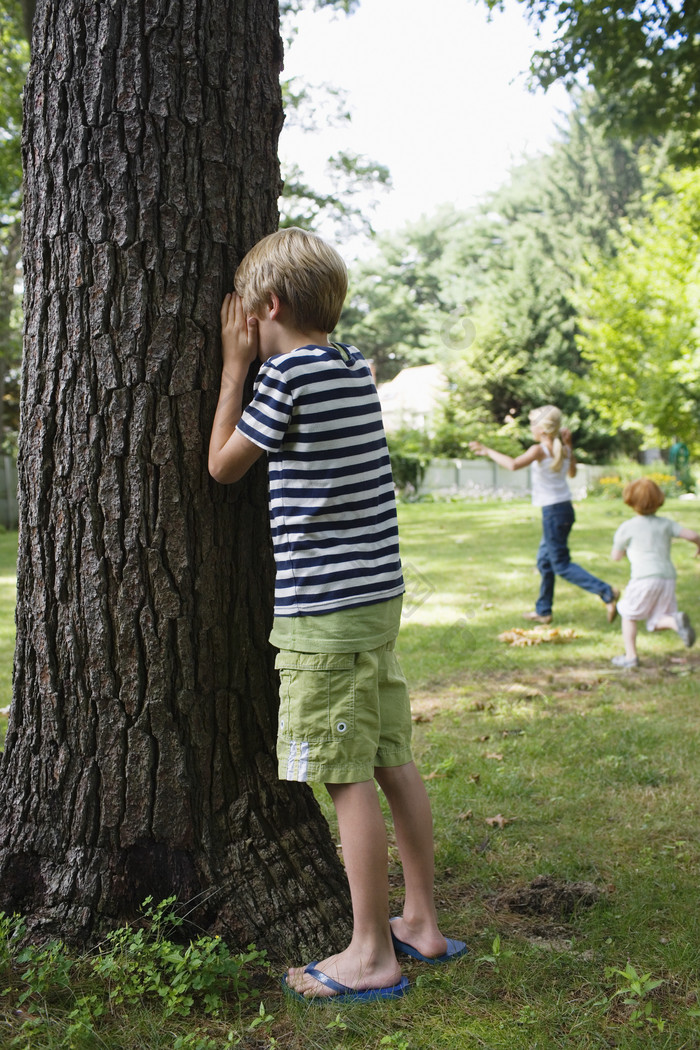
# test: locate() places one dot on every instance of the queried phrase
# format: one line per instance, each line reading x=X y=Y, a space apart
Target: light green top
x=646 y=539
x=354 y=630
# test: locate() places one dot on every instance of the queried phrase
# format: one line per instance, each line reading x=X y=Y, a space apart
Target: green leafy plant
x=143 y=963
x=634 y=992
x=12 y=931
x=44 y=969
x=263 y=1018
x=497 y=955
x=397 y=1040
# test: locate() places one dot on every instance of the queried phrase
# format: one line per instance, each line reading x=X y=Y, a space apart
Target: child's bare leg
x=666 y=623
x=369 y=961
x=629 y=637
x=413 y=823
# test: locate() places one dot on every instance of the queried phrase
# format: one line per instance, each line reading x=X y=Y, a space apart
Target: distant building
x=410 y=400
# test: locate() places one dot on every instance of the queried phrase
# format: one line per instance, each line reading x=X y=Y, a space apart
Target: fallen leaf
x=522 y=636
x=499 y=821
x=483 y=739
x=465 y=816
x=420 y=717
x=494 y=755
x=475 y=777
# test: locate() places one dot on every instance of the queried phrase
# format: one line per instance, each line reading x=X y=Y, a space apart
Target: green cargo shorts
x=342 y=714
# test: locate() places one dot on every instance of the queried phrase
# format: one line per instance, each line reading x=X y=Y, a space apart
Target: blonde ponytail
x=557 y=453
x=548 y=420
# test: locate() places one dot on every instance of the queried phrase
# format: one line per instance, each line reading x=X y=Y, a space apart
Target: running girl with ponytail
x=552 y=460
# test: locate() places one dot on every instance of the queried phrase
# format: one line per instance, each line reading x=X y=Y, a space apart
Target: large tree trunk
x=139 y=756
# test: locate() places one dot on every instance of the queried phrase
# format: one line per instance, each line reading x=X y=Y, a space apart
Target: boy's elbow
x=220 y=471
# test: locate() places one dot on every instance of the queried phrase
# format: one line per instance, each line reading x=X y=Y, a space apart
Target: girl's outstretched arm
x=535 y=452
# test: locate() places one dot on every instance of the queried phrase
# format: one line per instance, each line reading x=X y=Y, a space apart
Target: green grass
x=595 y=778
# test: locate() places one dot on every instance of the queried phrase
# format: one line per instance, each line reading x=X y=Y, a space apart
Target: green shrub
x=410 y=455
x=610 y=484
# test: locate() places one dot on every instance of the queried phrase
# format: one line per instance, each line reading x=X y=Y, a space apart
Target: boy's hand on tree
x=240 y=339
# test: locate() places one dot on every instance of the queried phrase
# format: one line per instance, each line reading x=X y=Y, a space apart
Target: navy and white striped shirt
x=332 y=509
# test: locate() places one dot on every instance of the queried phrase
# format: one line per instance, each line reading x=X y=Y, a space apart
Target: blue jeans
x=553 y=559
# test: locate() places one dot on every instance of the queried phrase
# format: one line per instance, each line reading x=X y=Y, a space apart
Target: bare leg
x=413 y=823
x=666 y=623
x=629 y=637
x=369 y=961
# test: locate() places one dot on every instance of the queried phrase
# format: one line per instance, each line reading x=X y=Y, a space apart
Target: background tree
x=342 y=208
x=14 y=52
x=139 y=753
x=490 y=294
x=642 y=59
x=553 y=211
x=397 y=297
x=640 y=319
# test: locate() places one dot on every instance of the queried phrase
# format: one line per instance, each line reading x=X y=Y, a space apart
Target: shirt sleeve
x=620 y=539
x=266 y=419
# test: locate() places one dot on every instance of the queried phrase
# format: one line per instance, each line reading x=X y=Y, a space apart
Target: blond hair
x=302 y=270
x=548 y=420
x=643 y=495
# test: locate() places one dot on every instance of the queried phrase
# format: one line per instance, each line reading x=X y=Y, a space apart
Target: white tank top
x=550 y=486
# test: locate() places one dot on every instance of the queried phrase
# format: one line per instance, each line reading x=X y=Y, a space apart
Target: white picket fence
x=482 y=477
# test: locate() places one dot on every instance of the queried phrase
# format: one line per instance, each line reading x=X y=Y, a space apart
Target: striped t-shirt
x=332 y=507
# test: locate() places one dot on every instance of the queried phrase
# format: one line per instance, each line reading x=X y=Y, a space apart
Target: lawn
x=566 y=798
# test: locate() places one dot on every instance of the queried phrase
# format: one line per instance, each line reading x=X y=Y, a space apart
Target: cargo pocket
x=317 y=696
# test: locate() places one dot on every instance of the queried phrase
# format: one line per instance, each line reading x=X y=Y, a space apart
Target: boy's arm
x=692 y=537
x=230 y=453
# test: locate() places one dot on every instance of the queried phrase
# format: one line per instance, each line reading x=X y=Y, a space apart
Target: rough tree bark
x=139 y=755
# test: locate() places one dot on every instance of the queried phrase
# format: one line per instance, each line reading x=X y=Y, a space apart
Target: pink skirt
x=649 y=598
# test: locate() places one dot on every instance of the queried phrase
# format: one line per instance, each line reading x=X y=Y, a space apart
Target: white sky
x=437 y=94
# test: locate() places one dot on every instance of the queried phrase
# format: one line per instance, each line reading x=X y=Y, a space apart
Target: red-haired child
x=651 y=592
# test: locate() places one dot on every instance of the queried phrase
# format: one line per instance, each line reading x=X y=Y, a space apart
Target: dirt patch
x=548 y=896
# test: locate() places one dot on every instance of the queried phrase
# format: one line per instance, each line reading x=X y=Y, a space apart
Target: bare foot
x=349 y=969
x=426 y=939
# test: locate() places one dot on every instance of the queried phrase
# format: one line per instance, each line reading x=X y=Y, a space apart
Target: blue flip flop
x=454 y=950
x=343 y=993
